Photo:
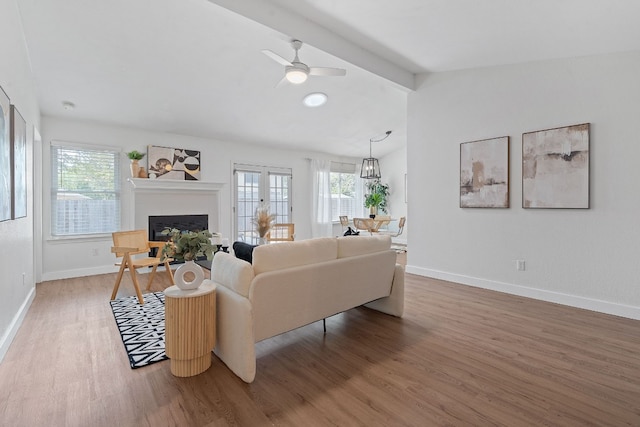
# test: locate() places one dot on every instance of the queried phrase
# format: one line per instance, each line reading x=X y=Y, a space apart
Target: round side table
x=190 y=328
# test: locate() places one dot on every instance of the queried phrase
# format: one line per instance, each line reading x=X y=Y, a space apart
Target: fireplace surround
x=194 y=204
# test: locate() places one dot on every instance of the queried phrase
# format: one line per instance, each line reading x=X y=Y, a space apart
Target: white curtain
x=321 y=225
x=360 y=193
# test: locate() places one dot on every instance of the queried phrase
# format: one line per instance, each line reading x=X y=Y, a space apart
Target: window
x=85 y=190
x=346 y=191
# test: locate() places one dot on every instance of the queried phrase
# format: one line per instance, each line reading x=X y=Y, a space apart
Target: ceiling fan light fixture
x=315 y=99
x=296 y=76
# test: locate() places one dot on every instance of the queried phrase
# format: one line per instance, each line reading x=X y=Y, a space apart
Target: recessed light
x=315 y=99
x=68 y=105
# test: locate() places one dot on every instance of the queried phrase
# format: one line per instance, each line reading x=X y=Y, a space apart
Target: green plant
x=135 y=155
x=373 y=200
x=377 y=195
x=188 y=245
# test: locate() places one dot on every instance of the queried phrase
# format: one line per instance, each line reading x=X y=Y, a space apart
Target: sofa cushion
x=276 y=256
x=361 y=245
x=243 y=251
x=232 y=273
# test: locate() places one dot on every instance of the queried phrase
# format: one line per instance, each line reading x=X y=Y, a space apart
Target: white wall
x=72 y=258
x=393 y=168
x=586 y=258
x=17 y=284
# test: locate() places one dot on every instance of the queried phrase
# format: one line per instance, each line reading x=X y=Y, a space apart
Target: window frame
x=349 y=169
x=50 y=205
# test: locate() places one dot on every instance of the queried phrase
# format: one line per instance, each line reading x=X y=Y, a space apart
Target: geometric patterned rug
x=141 y=328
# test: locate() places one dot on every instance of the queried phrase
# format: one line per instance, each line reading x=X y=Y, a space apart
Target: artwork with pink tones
x=484 y=173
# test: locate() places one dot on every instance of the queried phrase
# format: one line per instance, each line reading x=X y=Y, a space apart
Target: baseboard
x=91 y=271
x=630 y=312
x=12 y=330
x=80 y=272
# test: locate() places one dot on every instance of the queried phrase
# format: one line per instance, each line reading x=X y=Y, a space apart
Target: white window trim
x=46 y=174
x=347 y=168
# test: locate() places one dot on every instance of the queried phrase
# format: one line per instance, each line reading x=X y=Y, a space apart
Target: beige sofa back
x=237 y=274
x=278 y=256
x=287 y=299
x=349 y=246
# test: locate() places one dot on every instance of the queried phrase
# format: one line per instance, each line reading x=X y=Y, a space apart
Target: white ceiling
x=194 y=67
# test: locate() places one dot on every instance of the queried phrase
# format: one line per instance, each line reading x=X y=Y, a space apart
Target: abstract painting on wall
x=484 y=173
x=18 y=164
x=555 y=168
x=173 y=163
x=5 y=157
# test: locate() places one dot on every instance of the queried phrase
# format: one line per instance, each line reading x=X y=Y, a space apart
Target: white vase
x=184 y=269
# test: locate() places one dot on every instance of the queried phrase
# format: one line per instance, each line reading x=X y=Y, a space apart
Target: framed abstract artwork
x=18 y=164
x=5 y=157
x=555 y=168
x=173 y=163
x=484 y=173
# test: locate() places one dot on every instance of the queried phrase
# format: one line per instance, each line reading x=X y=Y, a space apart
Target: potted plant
x=372 y=202
x=135 y=156
x=376 y=199
x=188 y=246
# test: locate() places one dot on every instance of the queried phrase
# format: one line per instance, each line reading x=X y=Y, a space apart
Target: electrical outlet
x=520 y=265
x=24 y=279
x=94 y=252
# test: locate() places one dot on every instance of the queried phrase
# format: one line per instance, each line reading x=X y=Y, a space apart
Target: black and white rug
x=141 y=328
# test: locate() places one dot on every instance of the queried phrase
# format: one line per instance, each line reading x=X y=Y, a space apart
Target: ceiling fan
x=297 y=72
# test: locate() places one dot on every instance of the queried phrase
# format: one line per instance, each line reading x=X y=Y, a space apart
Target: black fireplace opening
x=158 y=223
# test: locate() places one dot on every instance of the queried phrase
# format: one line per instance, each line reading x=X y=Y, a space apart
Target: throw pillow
x=243 y=251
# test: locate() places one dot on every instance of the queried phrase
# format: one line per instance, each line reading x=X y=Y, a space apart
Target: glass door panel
x=255 y=185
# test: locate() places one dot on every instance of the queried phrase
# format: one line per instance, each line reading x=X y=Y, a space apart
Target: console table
x=190 y=328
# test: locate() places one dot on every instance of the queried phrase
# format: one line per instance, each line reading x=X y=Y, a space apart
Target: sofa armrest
x=394 y=303
x=235 y=343
x=231 y=272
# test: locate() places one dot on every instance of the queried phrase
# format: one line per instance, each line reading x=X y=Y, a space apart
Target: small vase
x=184 y=269
x=262 y=240
x=135 y=169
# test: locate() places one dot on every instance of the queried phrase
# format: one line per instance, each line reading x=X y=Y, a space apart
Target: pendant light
x=370 y=165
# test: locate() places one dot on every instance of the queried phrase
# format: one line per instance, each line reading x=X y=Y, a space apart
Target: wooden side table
x=190 y=328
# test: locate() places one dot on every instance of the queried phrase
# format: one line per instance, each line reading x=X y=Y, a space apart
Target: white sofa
x=292 y=284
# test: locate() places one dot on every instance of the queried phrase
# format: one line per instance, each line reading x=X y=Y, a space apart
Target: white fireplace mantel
x=149 y=197
x=145 y=184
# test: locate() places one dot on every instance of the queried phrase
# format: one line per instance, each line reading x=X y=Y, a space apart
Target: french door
x=257 y=185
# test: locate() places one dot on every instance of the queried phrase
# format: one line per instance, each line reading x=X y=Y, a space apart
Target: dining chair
x=344 y=222
x=127 y=244
x=401 y=223
x=281 y=233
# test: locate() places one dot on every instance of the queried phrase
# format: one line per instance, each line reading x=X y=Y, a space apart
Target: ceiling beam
x=300 y=27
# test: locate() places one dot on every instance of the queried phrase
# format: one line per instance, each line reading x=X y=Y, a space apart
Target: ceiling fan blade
x=279 y=59
x=282 y=82
x=325 y=71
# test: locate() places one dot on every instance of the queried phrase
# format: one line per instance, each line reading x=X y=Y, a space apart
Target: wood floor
x=459 y=357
